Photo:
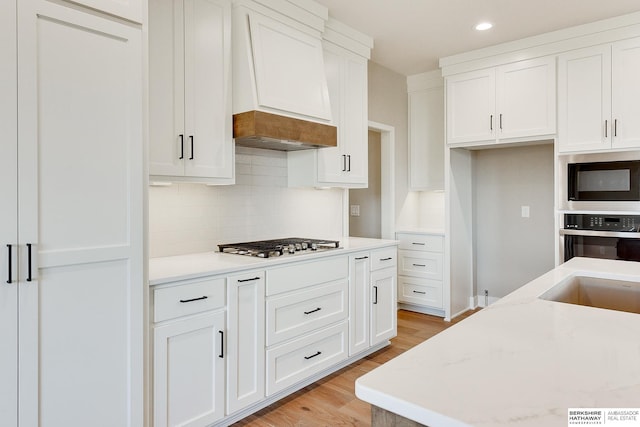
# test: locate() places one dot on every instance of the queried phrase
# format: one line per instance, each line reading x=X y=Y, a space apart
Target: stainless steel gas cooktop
x=279 y=247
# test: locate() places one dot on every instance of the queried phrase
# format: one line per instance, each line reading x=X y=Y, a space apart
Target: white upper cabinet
x=346 y=69
x=426 y=131
x=127 y=9
x=471 y=107
x=598 y=97
x=189 y=91
x=514 y=101
x=625 y=94
x=277 y=60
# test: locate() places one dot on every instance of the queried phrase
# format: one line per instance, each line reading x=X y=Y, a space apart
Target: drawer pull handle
x=419 y=265
x=386 y=259
x=317 y=353
x=221 y=355
x=362 y=257
x=9 y=264
x=419 y=292
x=248 y=280
x=313 y=311
x=375 y=295
x=418 y=243
x=194 y=299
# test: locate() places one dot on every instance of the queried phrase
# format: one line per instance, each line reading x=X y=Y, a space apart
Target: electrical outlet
x=525 y=211
x=355 y=210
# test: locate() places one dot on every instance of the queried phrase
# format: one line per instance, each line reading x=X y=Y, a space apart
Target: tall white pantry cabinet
x=71 y=176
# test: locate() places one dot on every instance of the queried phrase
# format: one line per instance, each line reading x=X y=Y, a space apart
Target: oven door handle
x=598 y=233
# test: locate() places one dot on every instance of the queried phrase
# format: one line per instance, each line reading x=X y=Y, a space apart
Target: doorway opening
x=370 y=212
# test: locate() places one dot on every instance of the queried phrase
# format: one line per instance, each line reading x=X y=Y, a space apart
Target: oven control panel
x=628 y=223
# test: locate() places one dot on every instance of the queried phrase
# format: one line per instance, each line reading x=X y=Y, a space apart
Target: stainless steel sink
x=589 y=291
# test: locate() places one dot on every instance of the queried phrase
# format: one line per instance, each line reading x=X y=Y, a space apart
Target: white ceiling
x=410 y=35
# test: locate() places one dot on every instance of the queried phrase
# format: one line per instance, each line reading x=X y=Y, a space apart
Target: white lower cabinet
x=189 y=371
x=245 y=343
x=224 y=346
x=420 y=271
x=189 y=353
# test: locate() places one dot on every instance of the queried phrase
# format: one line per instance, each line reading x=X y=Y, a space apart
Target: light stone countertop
x=522 y=361
x=182 y=267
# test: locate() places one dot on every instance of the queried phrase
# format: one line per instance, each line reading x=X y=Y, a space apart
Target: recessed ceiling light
x=483 y=26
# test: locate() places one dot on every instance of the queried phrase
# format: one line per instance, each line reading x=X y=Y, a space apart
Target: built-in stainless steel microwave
x=606 y=181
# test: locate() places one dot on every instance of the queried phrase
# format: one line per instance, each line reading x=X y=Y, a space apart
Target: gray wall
x=510 y=250
x=368 y=223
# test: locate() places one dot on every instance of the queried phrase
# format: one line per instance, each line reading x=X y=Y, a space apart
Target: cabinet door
x=166 y=88
x=626 y=94
x=526 y=98
x=383 y=305
x=8 y=218
x=188 y=371
x=584 y=99
x=80 y=201
x=359 y=284
x=246 y=354
x=426 y=139
x=299 y=86
x=355 y=138
x=209 y=150
x=471 y=107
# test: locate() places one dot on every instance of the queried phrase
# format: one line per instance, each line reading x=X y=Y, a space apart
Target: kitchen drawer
x=420 y=264
x=294 y=277
x=188 y=298
x=383 y=258
x=421 y=242
x=418 y=291
x=299 y=359
x=295 y=313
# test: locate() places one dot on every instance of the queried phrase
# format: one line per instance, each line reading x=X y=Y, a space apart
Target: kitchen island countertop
x=182 y=267
x=522 y=361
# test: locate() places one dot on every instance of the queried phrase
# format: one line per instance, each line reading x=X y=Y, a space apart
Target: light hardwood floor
x=332 y=400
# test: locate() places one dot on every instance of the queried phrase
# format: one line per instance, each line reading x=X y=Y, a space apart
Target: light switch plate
x=525 y=211
x=355 y=210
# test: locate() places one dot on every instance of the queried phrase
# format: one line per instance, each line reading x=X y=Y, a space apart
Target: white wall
x=188 y=218
x=511 y=250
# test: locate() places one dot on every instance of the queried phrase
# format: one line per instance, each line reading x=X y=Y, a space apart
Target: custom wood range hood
x=266 y=130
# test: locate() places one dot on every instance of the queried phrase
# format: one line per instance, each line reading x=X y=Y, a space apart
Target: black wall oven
x=609 y=236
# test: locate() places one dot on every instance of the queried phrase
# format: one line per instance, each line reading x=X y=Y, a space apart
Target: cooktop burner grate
x=279 y=247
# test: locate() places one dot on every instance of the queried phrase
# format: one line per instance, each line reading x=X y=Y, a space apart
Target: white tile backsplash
x=188 y=218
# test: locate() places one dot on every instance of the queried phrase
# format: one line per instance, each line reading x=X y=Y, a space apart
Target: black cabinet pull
x=312 y=311
x=248 y=280
x=500 y=121
x=386 y=259
x=9 y=279
x=375 y=294
x=615 y=127
x=349 y=162
x=191 y=138
x=344 y=163
x=221 y=355
x=29 y=278
x=419 y=292
x=194 y=299
x=606 y=127
x=362 y=257
x=491 y=122
x=317 y=353
x=419 y=265
x=418 y=243
x=181 y=147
